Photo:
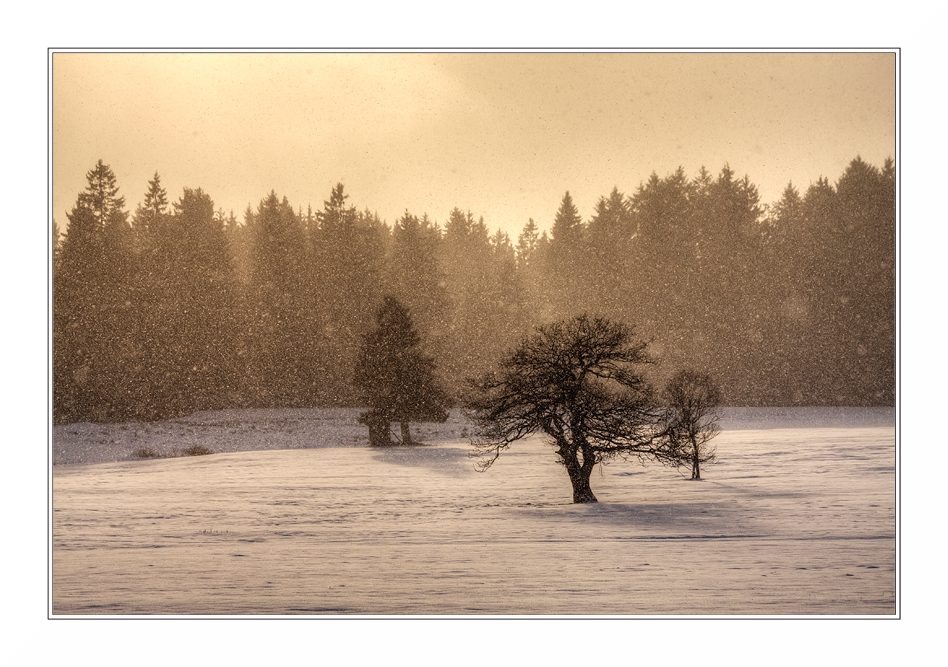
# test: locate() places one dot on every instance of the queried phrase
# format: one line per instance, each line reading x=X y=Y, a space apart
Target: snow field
x=792 y=521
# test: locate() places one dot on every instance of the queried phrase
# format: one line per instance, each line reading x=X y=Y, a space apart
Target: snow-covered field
x=295 y=514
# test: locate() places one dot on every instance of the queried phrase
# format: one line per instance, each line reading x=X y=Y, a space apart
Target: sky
x=502 y=135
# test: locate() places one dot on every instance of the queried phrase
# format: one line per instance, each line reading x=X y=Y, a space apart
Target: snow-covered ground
x=295 y=514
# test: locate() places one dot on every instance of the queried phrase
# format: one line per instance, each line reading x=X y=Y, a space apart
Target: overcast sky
x=501 y=135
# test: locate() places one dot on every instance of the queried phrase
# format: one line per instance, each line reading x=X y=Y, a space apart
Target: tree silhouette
x=149 y=214
x=283 y=331
x=101 y=196
x=414 y=274
x=93 y=316
x=578 y=382
x=609 y=236
x=692 y=400
x=565 y=270
x=396 y=378
x=527 y=244
x=346 y=268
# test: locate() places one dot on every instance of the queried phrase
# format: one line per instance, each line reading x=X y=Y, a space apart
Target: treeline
x=178 y=307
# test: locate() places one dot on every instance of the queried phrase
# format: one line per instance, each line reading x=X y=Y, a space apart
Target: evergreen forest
x=176 y=306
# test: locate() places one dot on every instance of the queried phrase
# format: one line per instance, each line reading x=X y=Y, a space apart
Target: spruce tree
x=101 y=195
x=149 y=213
x=396 y=378
x=566 y=273
x=282 y=331
x=346 y=269
x=609 y=242
x=414 y=274
x=94 y=306
x=527 y=244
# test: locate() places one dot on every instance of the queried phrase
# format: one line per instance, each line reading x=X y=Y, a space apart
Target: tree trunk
x=406 y=434
x=380 y=434
x=579 y=473
x=582 y=493
x=579 y=477
x=695 y=469
x=379 y=430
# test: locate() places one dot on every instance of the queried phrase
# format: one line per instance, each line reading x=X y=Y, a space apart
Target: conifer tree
x=184 y=333
x=396 y=378
x=93 y=304
x=56 y=241
x=610 y=233
x=149 y=213
x=282 y=334
x=101 y=196
x=527 y=244
x=414 y=274
x=345 y=281
x=568 y=225
x=349 y=261
x=565 y=270
x=663 y=278
x=530 y=255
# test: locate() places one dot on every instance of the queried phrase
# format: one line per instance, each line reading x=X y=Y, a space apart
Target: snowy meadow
x=295 y=514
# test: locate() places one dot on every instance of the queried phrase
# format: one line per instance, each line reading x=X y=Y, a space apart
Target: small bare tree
x=692 y=401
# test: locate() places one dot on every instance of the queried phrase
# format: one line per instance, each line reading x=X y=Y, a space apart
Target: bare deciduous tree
x=577 y=382
x=692 y=401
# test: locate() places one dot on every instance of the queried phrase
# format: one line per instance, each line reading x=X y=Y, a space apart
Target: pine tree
x=414 y=273
x=93 y=305
x=568 y=225
x=565 y=270
x=663 y=255
x=527 y=244
x=281 y=333
x=278 y=244
x=530 y=256
x=349 y=258
x=787 y=326
x=396 y=378
x=345 y=279
x=100 y=196
x=610 y=233
x=185 y=336
x=149 y=213
x=76 y=284
x=728 y=306
x=861 y=296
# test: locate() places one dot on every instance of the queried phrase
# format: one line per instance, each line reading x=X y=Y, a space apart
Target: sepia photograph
x=474 y=334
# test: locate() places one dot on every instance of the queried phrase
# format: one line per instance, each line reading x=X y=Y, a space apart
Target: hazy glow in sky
x=501 y=135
